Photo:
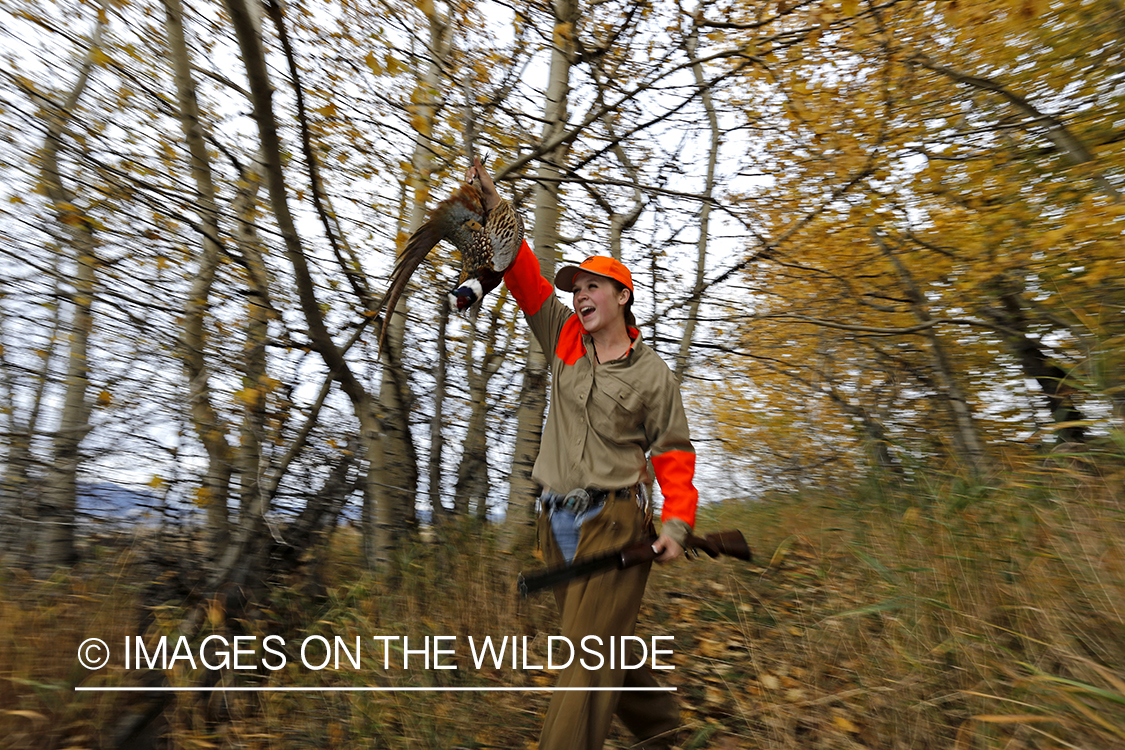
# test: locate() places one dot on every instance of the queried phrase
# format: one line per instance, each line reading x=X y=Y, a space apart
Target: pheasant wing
x=453 y=220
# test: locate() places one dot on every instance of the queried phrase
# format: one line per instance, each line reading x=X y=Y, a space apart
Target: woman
x=612 y=401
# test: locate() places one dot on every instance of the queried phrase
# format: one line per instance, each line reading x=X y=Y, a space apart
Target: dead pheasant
x=487 y=240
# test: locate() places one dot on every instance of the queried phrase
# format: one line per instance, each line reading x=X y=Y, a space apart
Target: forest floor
x=954 y=618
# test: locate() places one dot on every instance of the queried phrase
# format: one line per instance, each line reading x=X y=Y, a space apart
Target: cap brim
x=564 y=279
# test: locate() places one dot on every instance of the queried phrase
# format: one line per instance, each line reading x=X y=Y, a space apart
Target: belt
x=582 y=499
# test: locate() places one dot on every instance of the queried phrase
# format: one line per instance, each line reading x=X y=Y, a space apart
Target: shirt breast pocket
x=617 y=411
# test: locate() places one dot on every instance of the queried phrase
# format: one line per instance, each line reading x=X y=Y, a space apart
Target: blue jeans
x=567 y=527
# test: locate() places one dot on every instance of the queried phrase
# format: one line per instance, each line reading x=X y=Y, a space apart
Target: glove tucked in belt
x=576 y=501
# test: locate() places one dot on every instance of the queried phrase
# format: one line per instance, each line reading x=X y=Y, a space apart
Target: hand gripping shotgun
x=730 y=543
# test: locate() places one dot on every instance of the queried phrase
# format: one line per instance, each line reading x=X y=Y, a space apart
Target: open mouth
x=586 y=311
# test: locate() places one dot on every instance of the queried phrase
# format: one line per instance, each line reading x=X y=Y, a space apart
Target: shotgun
x=730 y=543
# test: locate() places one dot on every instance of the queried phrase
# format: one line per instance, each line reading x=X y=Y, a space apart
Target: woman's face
x=597 y=301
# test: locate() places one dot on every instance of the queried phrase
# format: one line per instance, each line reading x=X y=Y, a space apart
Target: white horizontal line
x=368 y=689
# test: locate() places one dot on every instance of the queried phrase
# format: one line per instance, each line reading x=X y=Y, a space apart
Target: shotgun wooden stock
x=730 y=543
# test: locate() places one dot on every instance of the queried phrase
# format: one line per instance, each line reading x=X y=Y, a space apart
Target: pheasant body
x=492 y=248
x=486 y=240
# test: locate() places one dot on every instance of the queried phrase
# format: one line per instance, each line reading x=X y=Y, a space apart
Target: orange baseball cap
x=602 y=265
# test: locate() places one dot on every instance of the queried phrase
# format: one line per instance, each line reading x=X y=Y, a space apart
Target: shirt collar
x=634 y=339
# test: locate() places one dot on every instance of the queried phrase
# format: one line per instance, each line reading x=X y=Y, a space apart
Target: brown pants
x=605 y=605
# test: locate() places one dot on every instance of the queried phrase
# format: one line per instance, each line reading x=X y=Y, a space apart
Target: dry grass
x=944 y=617
x=43 y=624
x=953 y=619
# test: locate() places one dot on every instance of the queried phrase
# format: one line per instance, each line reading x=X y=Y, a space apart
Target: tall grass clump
x=42 y=624
x=939 y=613
x=457 y=585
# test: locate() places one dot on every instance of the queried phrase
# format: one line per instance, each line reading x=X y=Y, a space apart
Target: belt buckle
x=577 y=501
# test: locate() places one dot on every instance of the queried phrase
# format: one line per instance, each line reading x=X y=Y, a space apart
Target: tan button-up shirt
x=604 y=418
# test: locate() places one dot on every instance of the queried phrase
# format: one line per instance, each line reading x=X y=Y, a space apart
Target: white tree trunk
x=208 y=426
x=970 y=450
x=58 y=501
x=704 y=211
x=545 y=240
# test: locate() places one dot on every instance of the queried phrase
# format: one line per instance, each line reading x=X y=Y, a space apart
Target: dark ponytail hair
x=630 y=319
